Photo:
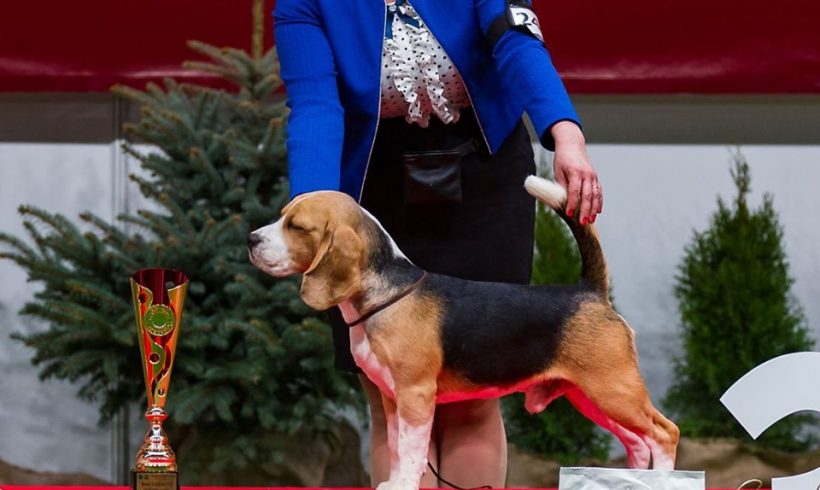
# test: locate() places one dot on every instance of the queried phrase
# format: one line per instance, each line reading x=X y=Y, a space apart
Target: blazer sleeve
x=315 y=131
x=526 y=69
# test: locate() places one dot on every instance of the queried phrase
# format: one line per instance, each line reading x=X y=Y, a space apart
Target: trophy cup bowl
x=158 y=296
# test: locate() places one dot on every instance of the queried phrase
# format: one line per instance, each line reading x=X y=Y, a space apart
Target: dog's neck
x=387 y=273
x=380 y=285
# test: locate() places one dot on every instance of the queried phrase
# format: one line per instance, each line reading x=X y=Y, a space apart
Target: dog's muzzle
x=268 y=251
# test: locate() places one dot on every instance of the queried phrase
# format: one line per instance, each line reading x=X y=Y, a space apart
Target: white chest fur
x=364 y=356
x=366 y=359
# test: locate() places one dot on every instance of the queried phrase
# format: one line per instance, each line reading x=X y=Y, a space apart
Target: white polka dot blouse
x=418 y=78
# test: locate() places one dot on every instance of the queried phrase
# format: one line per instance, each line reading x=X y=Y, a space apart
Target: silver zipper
x=379 y=111
x=466 y=90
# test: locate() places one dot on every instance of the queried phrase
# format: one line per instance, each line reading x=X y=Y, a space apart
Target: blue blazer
x=330 y=56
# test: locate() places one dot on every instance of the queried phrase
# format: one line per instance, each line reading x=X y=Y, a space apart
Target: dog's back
x=501 y=334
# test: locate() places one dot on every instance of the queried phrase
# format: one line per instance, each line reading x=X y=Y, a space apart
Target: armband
x=518 y=15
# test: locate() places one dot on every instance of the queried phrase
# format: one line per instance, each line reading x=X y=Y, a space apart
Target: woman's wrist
x=567 y=133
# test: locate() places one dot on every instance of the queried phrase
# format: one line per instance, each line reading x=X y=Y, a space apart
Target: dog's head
x=318 y=235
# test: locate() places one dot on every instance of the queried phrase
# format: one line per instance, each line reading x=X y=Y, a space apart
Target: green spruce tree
x=560 y=431
x=253 y=362
x=733 y=291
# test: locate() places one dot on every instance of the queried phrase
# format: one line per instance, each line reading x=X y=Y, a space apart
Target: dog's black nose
x=253 y=240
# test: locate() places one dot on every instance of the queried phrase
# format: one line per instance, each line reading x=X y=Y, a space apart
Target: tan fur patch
x=450 y=382
x=596 y=338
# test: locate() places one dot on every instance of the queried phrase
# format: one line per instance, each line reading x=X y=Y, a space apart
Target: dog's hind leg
x=637 y=451
x=622 y=398
x=539 y=395
x=601 y=360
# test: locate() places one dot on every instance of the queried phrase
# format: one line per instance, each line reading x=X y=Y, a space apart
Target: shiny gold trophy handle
x=158 y=296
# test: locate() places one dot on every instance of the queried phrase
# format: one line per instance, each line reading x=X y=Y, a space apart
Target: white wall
x=45 y=426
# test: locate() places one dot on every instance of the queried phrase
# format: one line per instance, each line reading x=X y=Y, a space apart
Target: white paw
x=387 y=485
x=399 y=484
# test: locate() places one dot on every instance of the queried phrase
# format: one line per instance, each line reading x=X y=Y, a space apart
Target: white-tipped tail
x=593 y=265
x=547 y=191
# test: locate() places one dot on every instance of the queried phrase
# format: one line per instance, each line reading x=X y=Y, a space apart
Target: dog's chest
x=368 y=362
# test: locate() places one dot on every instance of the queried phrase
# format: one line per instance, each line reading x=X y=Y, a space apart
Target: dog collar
x=390 y=302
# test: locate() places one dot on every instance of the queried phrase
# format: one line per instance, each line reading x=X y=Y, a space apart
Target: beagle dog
x=425 y=338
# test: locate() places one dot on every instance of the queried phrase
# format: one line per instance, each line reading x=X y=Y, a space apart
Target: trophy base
x=154 y=481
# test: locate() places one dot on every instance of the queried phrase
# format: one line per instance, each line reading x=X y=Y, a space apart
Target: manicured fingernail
x=569 y=213
x=583 y=221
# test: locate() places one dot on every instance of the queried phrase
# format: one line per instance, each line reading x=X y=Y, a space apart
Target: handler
x=414 y=107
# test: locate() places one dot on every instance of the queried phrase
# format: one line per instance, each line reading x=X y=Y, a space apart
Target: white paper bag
x=623 y=479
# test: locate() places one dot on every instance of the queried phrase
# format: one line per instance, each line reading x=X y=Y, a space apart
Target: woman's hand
x=574 y=172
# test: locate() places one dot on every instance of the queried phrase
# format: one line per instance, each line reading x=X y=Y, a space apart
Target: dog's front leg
x=415 y=410
x=392 y=419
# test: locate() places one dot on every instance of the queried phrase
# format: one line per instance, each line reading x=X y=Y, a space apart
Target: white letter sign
x=772 y=391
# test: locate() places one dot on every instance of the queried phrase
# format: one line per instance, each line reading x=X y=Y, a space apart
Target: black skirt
x=488 y=236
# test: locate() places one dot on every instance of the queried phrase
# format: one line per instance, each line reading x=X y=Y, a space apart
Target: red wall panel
x=700 y=46
x=88 y=45
x=599 y=46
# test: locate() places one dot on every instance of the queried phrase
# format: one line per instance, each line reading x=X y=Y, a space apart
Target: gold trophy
x=158 y=296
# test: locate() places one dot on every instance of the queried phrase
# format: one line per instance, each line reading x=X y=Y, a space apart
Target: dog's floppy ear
x=335 y=271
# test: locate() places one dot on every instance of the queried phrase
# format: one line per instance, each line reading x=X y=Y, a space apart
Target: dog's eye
x=294 y=227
